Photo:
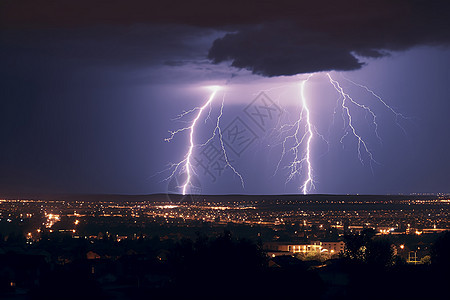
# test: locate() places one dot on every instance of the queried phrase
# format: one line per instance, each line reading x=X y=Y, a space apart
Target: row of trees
x=379 y=251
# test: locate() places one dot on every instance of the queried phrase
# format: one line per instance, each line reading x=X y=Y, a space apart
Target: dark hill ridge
x=313 y=198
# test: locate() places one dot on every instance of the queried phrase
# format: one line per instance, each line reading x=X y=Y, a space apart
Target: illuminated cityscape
x=267 y=217
x=106 y=234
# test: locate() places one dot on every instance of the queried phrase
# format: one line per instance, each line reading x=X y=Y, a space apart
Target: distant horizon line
x=9 y=195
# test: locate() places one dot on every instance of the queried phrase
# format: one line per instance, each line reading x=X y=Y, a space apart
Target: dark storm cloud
x=269 y=38
x=333 y=42
x=141 y=45
x=277 y=49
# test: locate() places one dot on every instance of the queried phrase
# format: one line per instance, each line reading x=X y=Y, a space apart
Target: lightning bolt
x=307 y=158
x=222 y=145
x=301 y=133
x=185 y=165
x=361 y=143
x=396 y=114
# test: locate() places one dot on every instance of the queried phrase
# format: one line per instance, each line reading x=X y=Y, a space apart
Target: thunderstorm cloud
x=314 y=39
x=269 y=38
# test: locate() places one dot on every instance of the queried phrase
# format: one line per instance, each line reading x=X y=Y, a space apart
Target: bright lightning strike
x=397 y=114
x=185 y=165
x=301 y=134
x=309 y=180
x=361 y=143
x=303 y=131
x=186 y=162
x=222 y=145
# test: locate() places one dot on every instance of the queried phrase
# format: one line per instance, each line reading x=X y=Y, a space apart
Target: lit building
x=315 y=247
x=333 y=247
x=312 y=248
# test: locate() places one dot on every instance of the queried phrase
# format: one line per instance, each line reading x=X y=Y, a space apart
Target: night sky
x=89 y=91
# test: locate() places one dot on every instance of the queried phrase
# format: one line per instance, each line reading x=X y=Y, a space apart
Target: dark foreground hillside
x=214 y=268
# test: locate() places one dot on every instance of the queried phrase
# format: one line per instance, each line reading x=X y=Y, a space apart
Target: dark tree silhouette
x=356 y=245
x=379 y=253
x=228 y=268
x=68 y=284
x=440 y=252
